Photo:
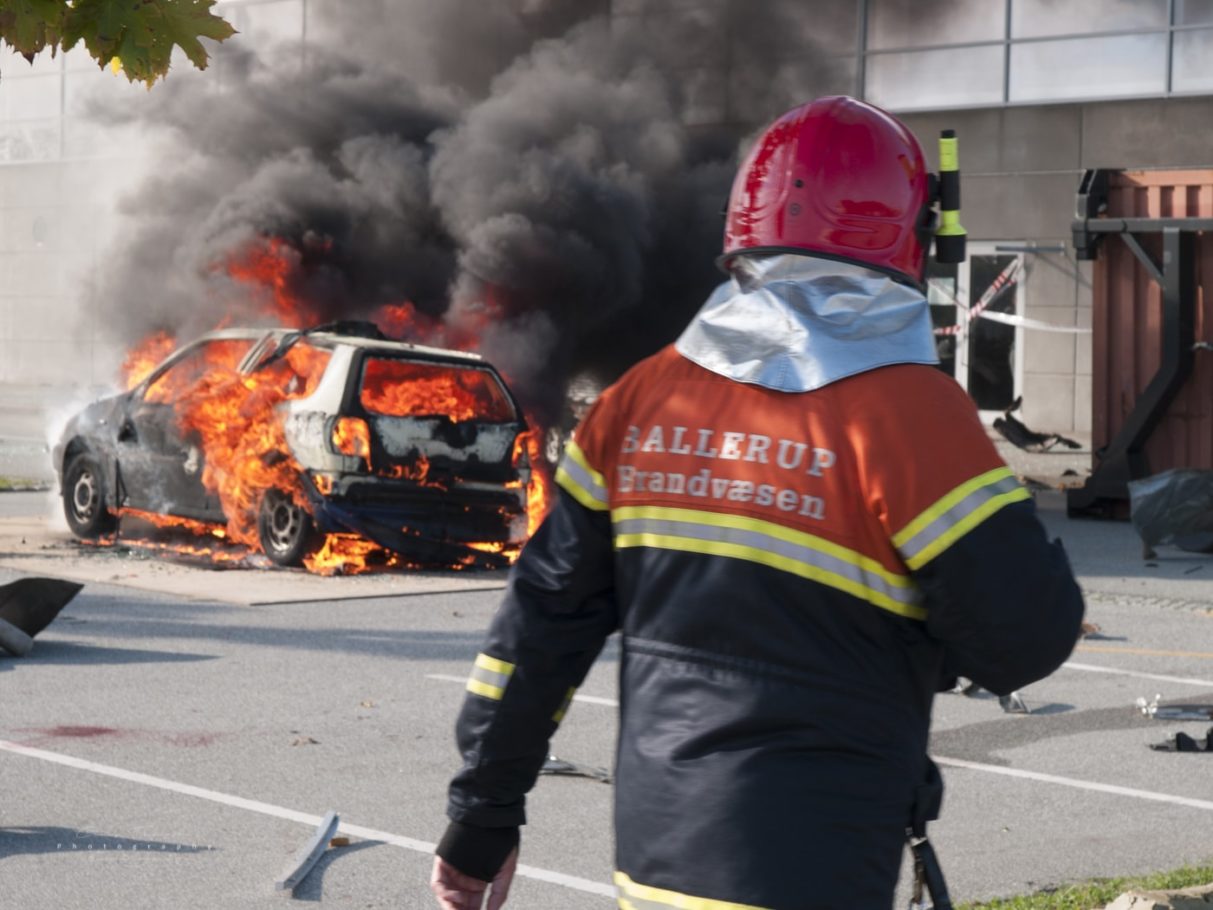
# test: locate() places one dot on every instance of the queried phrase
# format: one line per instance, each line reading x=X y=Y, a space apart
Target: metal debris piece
x=302 y=864
x=1174 y=712
x=1013 y=703
x=339 y=841
x=564 y=768
x=1148 y=707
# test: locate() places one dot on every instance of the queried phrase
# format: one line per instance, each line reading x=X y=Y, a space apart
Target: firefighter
x=801 y=530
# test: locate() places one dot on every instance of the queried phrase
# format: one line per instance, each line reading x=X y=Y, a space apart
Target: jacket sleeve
x=1003 y=600
x=999 y=596
x=558 y=610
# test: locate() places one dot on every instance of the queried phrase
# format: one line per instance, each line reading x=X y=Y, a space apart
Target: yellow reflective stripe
x=579 y=480
x=771 y=529
x=774 y=561
x=489 y=677
x=573 y=451
x=966 y=524
x=948 y=501
x=634 y=896
x=578 y=492
x=475 y=686
x=955 y=514
x=769 y=544
x=568 y=700
x=493 y=664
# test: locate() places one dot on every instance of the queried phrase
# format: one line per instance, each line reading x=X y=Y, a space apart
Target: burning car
x=289 y=441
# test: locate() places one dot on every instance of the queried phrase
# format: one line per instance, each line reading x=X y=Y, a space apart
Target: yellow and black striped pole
x=949 y=236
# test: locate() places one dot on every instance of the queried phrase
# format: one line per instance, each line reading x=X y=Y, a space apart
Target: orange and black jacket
x=793 y=576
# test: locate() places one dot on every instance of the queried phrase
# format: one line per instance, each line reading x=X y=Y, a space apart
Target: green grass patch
x=1099 y=892
x=8 y=484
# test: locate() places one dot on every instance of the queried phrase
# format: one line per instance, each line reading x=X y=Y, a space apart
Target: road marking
x=252 y=805
x=1103 y=649
x=588 y=699
x=1180 y=680
x=1190 y=803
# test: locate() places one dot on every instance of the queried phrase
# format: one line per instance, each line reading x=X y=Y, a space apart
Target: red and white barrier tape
x=1006 y=279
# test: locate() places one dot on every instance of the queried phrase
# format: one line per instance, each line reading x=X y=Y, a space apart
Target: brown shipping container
x=1127 y=321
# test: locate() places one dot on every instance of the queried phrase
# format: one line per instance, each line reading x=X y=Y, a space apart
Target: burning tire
x=285 y=529
x=84 y=498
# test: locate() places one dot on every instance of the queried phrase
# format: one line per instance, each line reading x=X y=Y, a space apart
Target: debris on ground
x=1016 y=433
x=1174 y=507
x=1011 y=703
x=29 y=605
x=564 y=768
x=1182 y=742
x=1174 y=712
x=305 y=859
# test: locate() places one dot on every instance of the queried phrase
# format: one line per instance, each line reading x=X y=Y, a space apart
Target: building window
x=949 y=77
x=1119 y=65
x=930 y=54
x=1049 y=18
x=1190 y=69
x=894 y=24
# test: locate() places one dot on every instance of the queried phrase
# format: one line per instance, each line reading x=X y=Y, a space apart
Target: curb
x=1200 y=896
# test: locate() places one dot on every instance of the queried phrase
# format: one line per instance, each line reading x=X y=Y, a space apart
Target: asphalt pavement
x=163 y=752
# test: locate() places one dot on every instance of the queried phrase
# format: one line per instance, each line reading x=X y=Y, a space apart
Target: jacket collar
x=794 y=323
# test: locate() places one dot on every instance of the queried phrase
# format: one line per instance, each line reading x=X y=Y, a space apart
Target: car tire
x=285 y=529
x=84 y=497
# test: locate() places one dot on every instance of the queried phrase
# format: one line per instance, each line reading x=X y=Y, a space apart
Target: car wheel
x=285 y=529
x=84 y=498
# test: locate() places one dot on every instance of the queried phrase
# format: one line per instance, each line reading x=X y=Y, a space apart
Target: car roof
x=326 y=339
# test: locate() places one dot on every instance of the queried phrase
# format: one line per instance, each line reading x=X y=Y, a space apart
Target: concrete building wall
x=1021 y=169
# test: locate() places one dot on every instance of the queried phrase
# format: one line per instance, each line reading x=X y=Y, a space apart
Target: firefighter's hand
x=456 y=891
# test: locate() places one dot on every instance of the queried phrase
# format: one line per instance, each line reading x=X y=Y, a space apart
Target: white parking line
x=588 y=699
x=1190 y=803
x=252 y=805
x=1150 y=795
x=1178 y=680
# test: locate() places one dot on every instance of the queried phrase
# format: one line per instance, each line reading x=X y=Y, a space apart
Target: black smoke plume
x=562 y=159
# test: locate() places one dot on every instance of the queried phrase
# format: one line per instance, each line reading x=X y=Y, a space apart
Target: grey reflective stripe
x=583 y=478
x=937 y=529
x=909 y=595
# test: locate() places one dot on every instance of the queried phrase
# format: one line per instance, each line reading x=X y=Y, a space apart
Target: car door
x=160 y=465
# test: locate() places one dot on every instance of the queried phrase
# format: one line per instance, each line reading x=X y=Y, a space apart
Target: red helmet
x=839 y=179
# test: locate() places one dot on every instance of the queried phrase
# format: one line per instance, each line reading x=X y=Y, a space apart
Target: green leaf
x=30 y=26
x=142 y=34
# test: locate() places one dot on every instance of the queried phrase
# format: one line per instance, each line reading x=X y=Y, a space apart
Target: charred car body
x=416 y=449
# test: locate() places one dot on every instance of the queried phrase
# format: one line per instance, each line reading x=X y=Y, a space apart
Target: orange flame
x=145 y=357
x=234 y=417
x=269 y=265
